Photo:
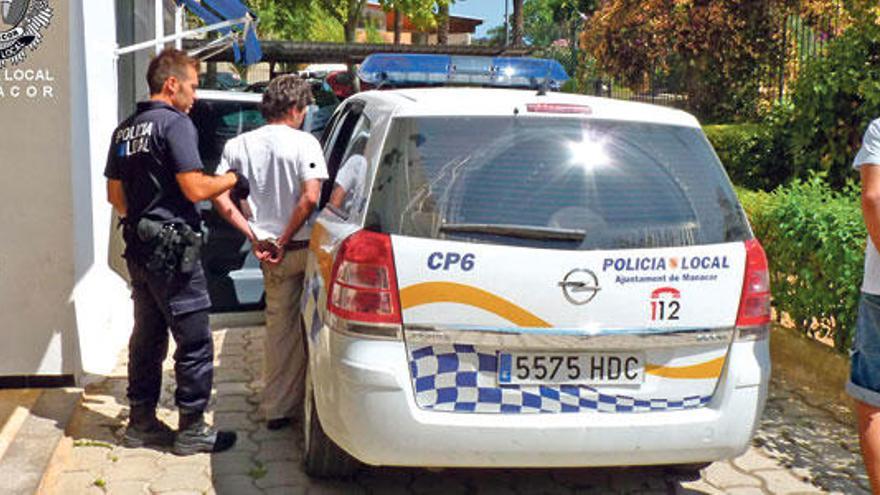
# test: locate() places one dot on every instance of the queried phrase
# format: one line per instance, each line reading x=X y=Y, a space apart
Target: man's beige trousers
x=284 y=362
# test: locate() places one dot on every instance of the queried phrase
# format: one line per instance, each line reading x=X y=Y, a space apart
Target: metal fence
x=804 y=37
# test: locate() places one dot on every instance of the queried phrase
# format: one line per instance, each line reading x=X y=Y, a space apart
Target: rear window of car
x=557 y=183
x=218 y=121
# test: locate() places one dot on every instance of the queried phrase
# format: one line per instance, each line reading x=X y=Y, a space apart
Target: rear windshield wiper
x=521 y=231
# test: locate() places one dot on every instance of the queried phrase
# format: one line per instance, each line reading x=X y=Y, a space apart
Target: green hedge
x=819 y=128
x=753 y=154
x=815 y=241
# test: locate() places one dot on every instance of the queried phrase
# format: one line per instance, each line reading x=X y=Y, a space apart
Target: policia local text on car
x=154 y=177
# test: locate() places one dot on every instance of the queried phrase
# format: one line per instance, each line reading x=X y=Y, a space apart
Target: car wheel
x=322 y=458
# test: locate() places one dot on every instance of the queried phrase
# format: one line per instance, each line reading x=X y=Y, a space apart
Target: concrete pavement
x=798 y=449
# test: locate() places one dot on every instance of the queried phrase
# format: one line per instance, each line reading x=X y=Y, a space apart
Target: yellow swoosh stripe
x=702 y=371
x=323 y=257
x=439 y=292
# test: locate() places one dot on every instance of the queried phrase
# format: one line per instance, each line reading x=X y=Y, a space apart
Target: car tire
x=322 y=458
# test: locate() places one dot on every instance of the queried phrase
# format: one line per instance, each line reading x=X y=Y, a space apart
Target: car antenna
x=544 y=85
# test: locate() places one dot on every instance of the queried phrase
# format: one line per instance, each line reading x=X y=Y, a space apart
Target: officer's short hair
x=283 y=93
x=169 y=62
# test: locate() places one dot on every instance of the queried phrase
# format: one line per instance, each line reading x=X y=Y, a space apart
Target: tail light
x=363 y=283
x=753 y=318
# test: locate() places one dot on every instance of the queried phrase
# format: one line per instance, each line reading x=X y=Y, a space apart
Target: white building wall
x=100 y=296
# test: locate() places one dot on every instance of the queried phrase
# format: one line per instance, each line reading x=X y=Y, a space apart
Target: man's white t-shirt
x=870 y=153
x=276 y=159
x=351 y=178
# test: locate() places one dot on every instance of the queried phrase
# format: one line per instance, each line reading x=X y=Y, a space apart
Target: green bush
x=834 y=99
x=815 y=242
x=753 y=154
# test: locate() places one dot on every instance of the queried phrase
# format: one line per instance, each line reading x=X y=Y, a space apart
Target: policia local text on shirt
x=154 y=177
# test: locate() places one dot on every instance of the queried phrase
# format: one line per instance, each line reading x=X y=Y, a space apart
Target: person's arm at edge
x=337 y=197
x=304 y=207
x=116 y=197
x=346 y=180
x=197 y=185
x=870 y=175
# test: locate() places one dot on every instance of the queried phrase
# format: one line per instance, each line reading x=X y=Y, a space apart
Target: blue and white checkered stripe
x=459 y=378
x=309 y=304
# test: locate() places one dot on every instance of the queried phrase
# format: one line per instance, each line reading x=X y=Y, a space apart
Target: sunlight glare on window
x=589 y=153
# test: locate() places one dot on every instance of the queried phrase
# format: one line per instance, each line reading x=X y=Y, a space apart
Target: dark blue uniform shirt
x=147 y=150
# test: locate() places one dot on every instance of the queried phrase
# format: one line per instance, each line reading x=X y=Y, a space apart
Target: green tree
x=516 y=33
x=541 y=29
x=718 y=50
x=423 y=14
x=346 y=12
x=834 y=100
x=420 y=12
x=297 y=20
x=442 y=22
x=546 y=21
x=371 y=32
x=494 y=37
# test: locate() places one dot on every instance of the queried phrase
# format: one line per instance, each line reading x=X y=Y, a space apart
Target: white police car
x=524 y=278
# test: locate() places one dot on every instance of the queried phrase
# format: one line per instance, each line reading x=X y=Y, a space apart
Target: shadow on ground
x=811 y=443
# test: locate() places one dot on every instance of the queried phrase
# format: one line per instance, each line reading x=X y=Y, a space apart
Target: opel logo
x=580 y=286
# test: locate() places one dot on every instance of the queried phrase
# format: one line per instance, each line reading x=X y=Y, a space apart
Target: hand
x=260 y=252
x=242 y=188
x=277 y=252
x=267 y=251
x=276 y=257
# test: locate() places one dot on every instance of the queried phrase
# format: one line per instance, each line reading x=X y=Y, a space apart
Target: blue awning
x=220 y=11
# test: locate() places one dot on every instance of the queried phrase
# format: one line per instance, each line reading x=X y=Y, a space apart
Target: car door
x=235 y=281
x=336 y=141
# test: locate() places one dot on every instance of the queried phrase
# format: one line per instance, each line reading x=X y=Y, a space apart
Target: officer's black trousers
x=181 y=304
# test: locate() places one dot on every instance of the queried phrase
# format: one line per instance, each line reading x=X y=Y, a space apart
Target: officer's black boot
x=145 y=429
x=195 y=436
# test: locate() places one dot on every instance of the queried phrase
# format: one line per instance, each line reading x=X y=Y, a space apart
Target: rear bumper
x=365 y=401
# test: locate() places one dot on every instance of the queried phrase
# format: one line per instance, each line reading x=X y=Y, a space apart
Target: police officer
x=154 y=177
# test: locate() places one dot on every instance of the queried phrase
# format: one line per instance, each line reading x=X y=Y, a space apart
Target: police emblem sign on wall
x=21 y=25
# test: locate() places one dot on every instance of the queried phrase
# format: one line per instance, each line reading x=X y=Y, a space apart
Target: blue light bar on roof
x=424 y=69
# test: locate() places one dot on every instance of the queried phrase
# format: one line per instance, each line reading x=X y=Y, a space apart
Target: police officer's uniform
x=147 y=151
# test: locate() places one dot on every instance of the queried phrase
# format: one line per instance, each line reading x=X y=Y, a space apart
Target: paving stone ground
x=798 y=449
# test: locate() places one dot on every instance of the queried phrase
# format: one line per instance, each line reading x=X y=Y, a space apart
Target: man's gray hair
x=283 y=93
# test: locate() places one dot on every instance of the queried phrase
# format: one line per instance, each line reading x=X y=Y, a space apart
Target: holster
x=166 y=247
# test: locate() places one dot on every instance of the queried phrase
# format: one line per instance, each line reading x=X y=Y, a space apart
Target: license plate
x=592 y=368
